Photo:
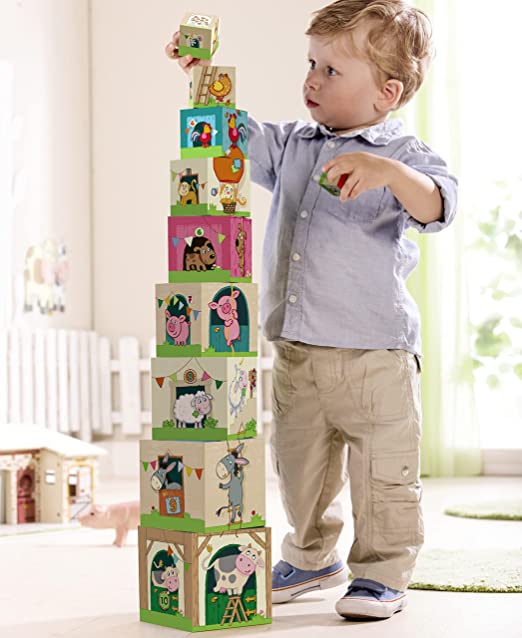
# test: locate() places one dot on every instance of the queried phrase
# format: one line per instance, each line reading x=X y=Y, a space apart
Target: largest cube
x=201 y=486
x=198 y=582
x=206 y=319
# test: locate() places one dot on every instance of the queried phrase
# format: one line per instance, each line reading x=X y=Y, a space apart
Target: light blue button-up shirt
x=334 y=274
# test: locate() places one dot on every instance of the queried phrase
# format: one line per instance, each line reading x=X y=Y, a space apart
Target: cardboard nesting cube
x=212 y=86
x=198 y=582
x=198 y=35
x=206 y=320
x=213 y=131
x=210 y=249
x=202 y=486
x=214 y=186
x=207 y=399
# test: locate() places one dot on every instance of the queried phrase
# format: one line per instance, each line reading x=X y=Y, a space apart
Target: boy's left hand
x=365 y=171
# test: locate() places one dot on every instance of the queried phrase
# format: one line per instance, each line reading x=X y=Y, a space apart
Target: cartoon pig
x=177 y=329
x=121 y=516
x=226 y=308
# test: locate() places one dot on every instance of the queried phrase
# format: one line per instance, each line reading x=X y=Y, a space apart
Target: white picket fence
x=68 y=381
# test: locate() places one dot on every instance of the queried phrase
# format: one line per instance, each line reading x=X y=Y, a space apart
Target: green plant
x=497 y=335
x=168 y=423
x=250 y=427
x=211 y=422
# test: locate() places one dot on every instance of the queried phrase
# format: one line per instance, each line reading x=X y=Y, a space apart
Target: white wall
x=137 y=95
x=45 y=44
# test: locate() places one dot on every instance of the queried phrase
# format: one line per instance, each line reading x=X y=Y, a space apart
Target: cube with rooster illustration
x=214 y=131
x=198 y=35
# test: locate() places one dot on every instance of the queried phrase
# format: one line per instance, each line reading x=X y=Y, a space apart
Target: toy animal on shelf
x=122 y=516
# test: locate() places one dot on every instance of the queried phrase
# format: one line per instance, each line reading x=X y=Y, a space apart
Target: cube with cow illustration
x=212 y=86
x=198 y=582
x=206 y=319
x=204 y=399
x=214 y=131
x=202 y=486
x=210 y=249
x=198 y=35
x=216 y=186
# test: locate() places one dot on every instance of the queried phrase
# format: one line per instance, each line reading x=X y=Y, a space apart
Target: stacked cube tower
x=204 y=550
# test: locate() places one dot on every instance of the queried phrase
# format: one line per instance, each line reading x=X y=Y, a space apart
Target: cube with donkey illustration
x=206 y=319
x=198 y=582
x=204 y=399
x=210 y=249
x=202 y=486
x=210 y=186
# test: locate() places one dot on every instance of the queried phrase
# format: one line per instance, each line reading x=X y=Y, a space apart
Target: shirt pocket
x=363 y=210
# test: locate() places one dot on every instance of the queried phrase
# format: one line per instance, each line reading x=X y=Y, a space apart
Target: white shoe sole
x=357 y=608
x=286 y=594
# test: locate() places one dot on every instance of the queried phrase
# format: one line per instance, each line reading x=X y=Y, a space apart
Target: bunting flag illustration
x=175 y=241
x=221 y=238
x=173 y=376
x=218 y=384
x=180 y=466
x=145 y=465
x=160 y=303
x=189 y=470
x=199 y=472
x=205 y=376
x=159 y=381
x=189 y=240
x=196 y=314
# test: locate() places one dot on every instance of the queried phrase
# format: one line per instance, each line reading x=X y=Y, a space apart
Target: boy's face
x=340 y=88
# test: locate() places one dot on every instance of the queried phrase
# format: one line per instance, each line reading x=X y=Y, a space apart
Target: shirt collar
x=379 y=134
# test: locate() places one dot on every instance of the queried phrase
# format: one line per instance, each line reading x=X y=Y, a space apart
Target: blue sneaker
x=371 y=600
x=290 y=582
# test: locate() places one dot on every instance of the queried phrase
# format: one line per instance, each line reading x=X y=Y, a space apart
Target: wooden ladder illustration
x=207 y=79
x=234 y=609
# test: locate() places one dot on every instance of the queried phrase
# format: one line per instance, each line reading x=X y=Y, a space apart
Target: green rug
x=497 y=510
x=477 y=570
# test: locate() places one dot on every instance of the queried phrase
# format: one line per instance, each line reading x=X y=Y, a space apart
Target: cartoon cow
x=232 y=572
x=231 y=467
x=166 y=575
x=226 y=308
x=177 y=329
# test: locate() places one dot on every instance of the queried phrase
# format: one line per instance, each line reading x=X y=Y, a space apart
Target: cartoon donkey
x=159 y=479
x=231 y=467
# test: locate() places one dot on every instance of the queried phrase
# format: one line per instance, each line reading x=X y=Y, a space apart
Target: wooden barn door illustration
x=218 y=330
x=80 y=490
x=25 y=496
x=172 y=495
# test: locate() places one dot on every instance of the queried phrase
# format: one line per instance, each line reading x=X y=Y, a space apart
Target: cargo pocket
x=396 y=494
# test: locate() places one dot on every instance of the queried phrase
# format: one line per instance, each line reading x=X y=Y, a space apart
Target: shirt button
x=296 y=256
x=292 y=298
x=304 y=214
x=331 y=145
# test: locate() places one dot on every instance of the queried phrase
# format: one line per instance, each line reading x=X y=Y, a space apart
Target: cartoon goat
x=231 y=467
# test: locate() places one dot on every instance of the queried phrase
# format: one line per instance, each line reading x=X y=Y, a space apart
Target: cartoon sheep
x=191 y=409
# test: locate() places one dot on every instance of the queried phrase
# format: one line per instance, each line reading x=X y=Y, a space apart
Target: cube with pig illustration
x=206 y=319
x=211 y=186
x=202 y=486
x=210 y=249
x=196 y=582
x=204 y=399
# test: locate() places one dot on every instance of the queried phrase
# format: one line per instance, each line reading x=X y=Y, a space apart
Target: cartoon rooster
x=221 y=87
x=202 y=135
x=236 y=132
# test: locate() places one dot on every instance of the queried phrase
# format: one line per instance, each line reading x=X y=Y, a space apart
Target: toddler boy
x=334 y=302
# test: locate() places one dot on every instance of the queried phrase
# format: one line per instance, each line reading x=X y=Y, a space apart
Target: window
x=50 y=477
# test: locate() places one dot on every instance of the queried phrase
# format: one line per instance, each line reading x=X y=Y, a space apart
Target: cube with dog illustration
x=204 y=399
x=210 y=186
x=206 y=319
x=199 y=582
x=202 y=486
x=210 y=249
x=214 y=131
x=212 y=86
x=198 y=35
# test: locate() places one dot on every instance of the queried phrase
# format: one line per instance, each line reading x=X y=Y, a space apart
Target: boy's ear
x=389 y=95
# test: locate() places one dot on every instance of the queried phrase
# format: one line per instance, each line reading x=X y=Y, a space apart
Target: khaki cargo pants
x=331 y=401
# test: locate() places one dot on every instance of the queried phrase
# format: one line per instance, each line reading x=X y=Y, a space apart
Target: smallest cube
x=198 y=35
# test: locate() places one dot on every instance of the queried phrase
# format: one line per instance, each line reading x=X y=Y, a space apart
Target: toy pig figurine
x=121 y=516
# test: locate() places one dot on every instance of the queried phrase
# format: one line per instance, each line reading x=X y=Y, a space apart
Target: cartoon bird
x=236 y=132
x=221 y=87
x=202 y=134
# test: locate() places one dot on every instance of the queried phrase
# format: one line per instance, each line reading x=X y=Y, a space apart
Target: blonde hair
x=399 y=39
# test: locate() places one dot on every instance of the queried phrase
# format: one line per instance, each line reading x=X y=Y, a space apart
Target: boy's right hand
x=186 y=62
